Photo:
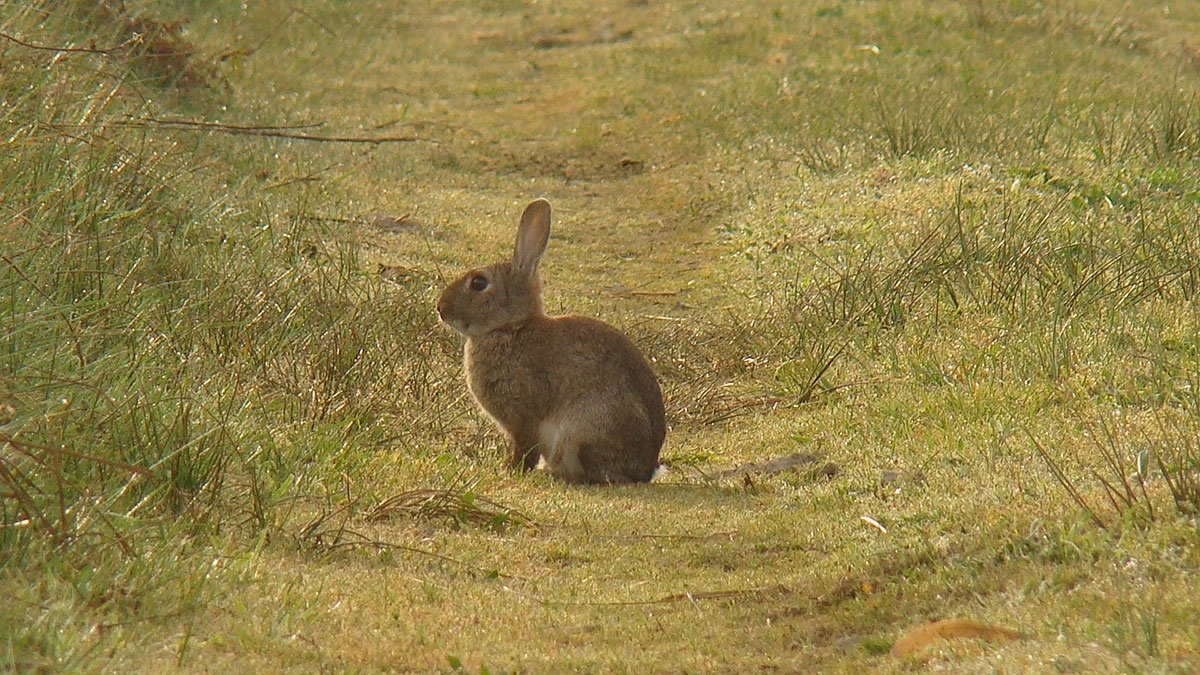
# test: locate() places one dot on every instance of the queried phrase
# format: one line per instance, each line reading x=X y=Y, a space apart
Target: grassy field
x=948 y=253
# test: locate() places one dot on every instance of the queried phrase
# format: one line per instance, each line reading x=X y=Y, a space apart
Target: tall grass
x=171 y=370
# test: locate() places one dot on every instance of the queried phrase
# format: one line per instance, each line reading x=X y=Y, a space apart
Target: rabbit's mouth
x=459 y=325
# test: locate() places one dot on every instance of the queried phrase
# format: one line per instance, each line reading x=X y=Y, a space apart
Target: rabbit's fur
x=572 y=391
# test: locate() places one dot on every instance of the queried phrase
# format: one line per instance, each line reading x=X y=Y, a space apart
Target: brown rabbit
x=569 y=390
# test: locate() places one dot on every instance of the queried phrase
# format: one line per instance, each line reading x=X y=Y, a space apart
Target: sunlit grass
x=950 y=250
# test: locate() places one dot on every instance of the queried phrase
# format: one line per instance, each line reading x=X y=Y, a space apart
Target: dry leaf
x=949 y=628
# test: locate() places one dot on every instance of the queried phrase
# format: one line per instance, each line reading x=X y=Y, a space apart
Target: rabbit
x=571 y=392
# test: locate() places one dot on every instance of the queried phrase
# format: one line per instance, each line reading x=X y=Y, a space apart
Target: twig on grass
x=232 y=128
x=109 y=625
x=267 y=131
x=772 y=466
x=86 y=50
x=313 y=177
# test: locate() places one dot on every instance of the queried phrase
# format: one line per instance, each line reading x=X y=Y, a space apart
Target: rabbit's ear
x=532 y=236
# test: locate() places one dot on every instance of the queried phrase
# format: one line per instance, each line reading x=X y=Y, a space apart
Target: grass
x=949 y=249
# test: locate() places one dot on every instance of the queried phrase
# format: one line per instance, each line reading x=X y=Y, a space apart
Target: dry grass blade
x=27 y=448
x=22 y=489
x=1064 y=481
x=737 y=408
x=1181 y=468
x=1120 y=492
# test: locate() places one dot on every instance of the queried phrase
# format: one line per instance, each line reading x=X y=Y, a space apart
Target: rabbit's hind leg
x=560 y=448
x=609 y=463
x=582 y=450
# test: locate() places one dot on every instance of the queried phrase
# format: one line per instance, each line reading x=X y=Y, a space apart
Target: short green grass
x=950 y=249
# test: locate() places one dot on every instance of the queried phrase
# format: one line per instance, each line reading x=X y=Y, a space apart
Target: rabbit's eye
x=479 y=283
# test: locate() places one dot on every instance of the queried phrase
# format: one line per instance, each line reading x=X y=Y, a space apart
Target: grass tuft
x=457 y=506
